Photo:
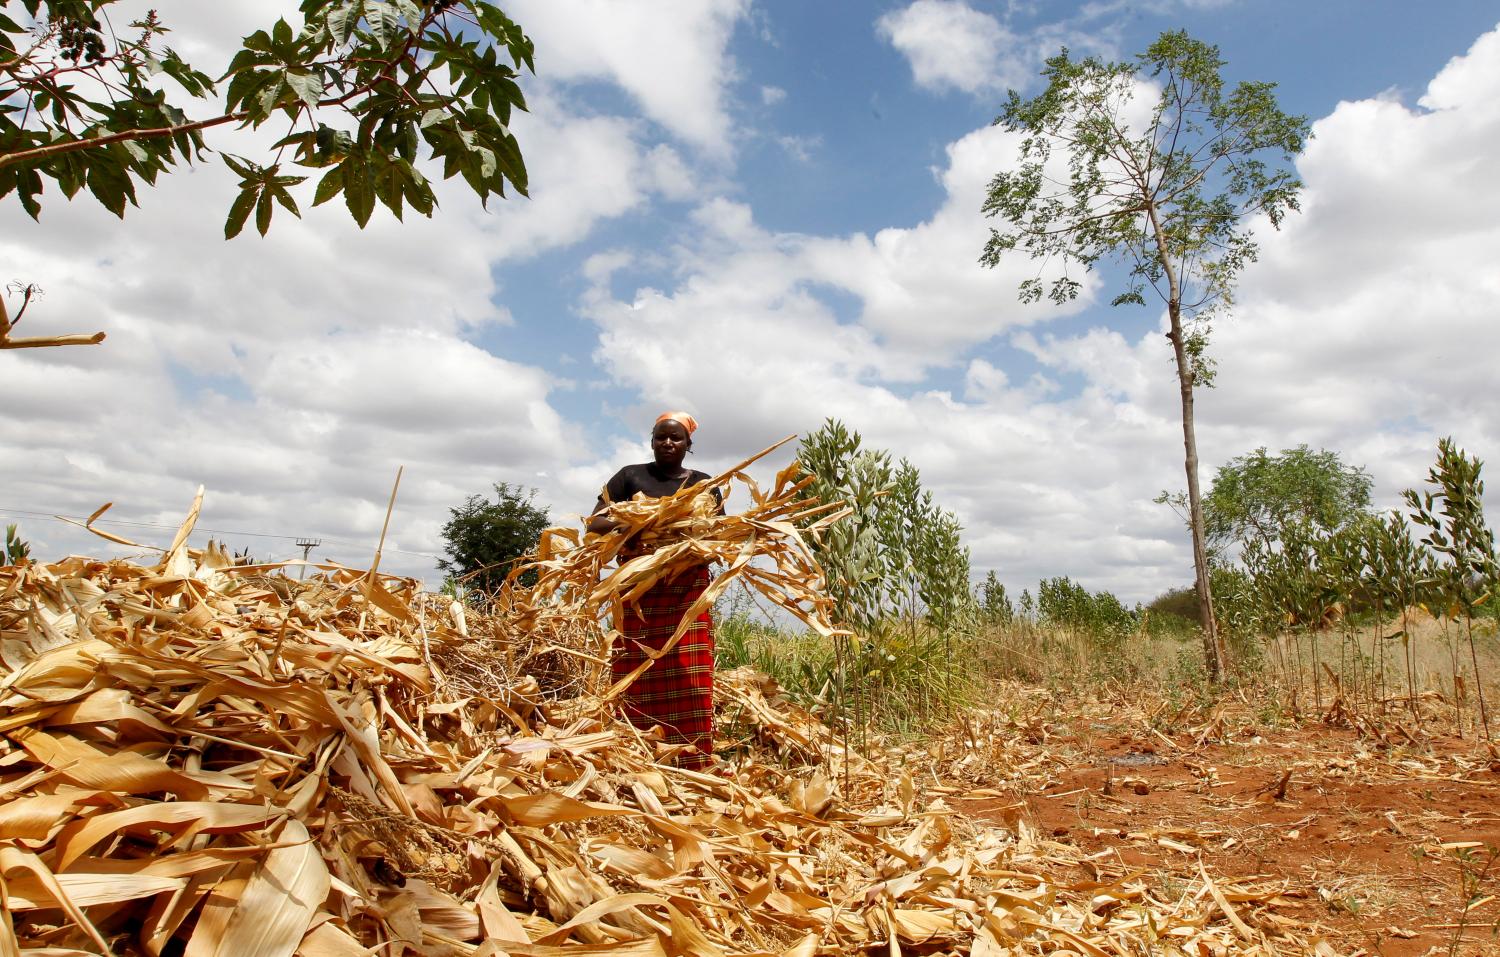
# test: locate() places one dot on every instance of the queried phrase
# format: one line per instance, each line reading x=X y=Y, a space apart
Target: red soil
x=1357 y=834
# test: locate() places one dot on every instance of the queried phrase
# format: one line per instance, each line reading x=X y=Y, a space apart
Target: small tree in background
x=928 y=562
x=1167 y=197
x=484 y=538
x=1452 y=512
x=899 y=553
x=1259 y=494
x=995 y=606
x=855 y=566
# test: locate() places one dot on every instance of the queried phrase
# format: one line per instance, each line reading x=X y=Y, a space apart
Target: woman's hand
x=600 y=523
x=631 y=548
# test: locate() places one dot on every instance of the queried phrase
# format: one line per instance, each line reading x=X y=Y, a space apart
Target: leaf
x=384 y=21
x=329 y=186
x=598 y=909
x=263 y=209
x=124 y=771
x=359 y=192
x=307 y=85
x=239 y=212
x=551 y=807
x=343 y=19
x=87 y=889
x=276 y=907
x=195 y=817
x=13 y=859
x=33 y=818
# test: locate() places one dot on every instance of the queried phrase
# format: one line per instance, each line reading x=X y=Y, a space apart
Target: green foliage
x=925 y=552
x=995 y=606
x=1467 y=574
x=370 y=88
x=1452 y=513
x=1258 y=494
x=899 y=554
x=485 y=538
x=14 y=550
x=1065 y=603
x=857 y=570
x=1026 y=609
x=1166 y=199
x=909 y=681
x=1287 y=575
x=1241 y=615
x=1174 y=604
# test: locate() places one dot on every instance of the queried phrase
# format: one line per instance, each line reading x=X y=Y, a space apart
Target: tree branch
x=75 y=146
x=41 y=342
x=93 y=142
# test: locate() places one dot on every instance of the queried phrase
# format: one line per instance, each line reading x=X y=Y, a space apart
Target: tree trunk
x=1213 y=646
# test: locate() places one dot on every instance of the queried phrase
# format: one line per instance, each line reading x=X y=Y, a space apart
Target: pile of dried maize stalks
x=203 y=759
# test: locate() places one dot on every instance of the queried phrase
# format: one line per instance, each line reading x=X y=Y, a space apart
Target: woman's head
x=672 y=438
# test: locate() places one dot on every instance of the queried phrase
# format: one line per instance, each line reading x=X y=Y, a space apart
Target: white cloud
x=952 y=46
x=922 y=289
x=583 y=170
x=293 y=374
x=800 y=148
x=1367 y=328
x=771 y=95
x=1369 y=324
x=680 y=83
x=949 y=44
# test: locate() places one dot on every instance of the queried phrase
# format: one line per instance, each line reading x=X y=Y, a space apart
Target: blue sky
x=768 y=213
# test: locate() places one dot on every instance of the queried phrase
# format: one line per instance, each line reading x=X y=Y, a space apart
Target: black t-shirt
x=647 y=478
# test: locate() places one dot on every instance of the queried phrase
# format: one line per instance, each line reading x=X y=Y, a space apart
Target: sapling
x=1453 y=514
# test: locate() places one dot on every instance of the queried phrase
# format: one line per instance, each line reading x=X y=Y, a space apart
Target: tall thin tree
x=1167 y=189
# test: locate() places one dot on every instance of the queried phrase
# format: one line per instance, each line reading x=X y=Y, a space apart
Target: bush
x=485 y=538
x=1179 y=603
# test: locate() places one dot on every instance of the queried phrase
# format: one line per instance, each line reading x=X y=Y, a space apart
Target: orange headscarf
x=685 y=419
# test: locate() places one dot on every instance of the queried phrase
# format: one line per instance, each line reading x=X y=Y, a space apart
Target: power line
x=53 y=517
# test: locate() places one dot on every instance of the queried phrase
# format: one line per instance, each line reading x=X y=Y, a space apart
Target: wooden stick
x=375 y=566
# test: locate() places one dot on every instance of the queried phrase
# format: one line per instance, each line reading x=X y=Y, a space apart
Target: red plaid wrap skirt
x=677 y=692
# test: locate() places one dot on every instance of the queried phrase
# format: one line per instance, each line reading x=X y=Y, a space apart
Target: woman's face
x=670 y=443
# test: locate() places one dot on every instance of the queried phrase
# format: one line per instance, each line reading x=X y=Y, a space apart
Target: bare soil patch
x=1361 y=831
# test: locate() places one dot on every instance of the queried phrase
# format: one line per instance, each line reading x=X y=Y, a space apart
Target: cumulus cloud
x=293 y=374
x=681 y=84
x=585 y=170
x=1368 y=323
x=1367 y=327
x=949 y=44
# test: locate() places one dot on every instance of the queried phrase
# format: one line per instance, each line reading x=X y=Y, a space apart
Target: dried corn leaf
x=228 y=761
x=275 y=906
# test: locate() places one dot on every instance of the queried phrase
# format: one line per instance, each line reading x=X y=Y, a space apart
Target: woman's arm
x=599 y=522
x=617 y=489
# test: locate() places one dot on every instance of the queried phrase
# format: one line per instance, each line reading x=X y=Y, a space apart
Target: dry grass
x=207 y=759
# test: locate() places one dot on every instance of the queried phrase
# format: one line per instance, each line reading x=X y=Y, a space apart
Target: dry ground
x=1362 y=833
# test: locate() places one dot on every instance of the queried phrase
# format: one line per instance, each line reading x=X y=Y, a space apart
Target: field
x=1381 y=844
x=1368 y=823
x=200 y=753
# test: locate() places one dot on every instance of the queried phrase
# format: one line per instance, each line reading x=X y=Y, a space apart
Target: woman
x=677 y=691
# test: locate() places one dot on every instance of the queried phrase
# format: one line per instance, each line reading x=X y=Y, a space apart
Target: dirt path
x=1361 y=832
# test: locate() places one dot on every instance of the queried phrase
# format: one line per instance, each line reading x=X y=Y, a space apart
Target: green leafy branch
x=415 y=81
